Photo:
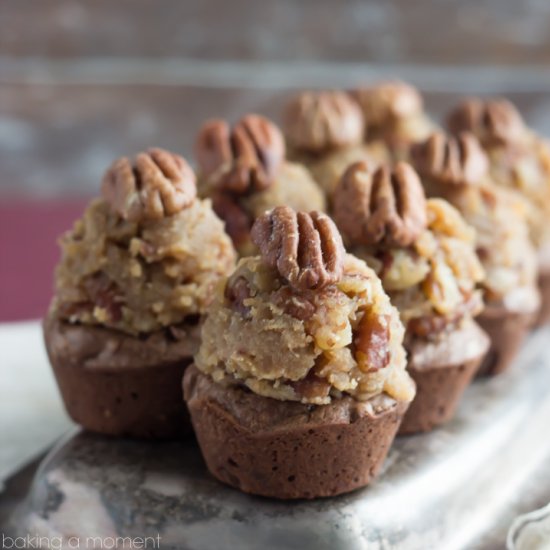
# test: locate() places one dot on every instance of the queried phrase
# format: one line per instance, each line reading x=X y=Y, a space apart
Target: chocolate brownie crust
x=116 y=384
x=507 y=330
x=438 y=394
x=442 y=370
x=289 y=450
x=544 y=286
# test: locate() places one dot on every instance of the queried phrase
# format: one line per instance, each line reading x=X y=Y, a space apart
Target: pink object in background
x=29 y=230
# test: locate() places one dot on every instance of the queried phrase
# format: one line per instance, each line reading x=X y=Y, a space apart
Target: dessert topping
x=494 y=122
x=380 y=206
x=243 y=158
x=455 y=161
x=306 y=249
x=155 y=185
x=318 y=122
x=388 y=101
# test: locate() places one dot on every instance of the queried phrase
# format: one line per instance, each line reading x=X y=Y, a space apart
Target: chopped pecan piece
x=155 y=185
x=103 y=293
x=493 y=122
x=294 y=304
x=380 y=206
x=311 y=387
x=306 y=249
x=320 y=121
x=372 y=342
x=450 y=160
x=243 y=158
x=237 y=291
x=237 y=221
x=388 y=101
x=431 y=325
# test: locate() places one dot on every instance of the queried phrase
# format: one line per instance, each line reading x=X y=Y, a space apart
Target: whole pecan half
x=450 y=160
x=381 y=206
x=243 y=158
x=306 y=249
x=319 y=121
x=155 y=184
x=493 y=122
x=388 y=101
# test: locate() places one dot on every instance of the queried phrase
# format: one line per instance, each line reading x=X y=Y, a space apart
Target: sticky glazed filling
x=327 y=169
x=525 y=167
x=307 y=346
x=502 y=240
x=292 y=186
x=141 y=278
x=432 y=282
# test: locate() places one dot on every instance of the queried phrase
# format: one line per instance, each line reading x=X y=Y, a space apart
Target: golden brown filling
x=243 y=170
x=502 y=240
x=525 y=167
x=328 y=168
x=433 y=281
x=141 y=277
x=519 y=159
x=292 y=186
x=305 y=345
x=457 y=169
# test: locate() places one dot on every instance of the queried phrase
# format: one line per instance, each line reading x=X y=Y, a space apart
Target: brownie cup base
x=543 y=317
x=115 y=384
x=289 y=450
x=507 y=331
x=442 y=369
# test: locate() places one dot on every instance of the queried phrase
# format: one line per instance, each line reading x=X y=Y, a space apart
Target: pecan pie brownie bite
x=244 y=171
x=325 y=130
x=136 y=273
x=456 y=169
x=394 y=116
x=424 y=253
x=519 y=160
x=299 y=385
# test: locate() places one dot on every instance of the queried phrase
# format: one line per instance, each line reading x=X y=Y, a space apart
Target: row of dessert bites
x=493 y=168
x=329 y=131
x=301 y=352
x=320 y=341
x=424 y=251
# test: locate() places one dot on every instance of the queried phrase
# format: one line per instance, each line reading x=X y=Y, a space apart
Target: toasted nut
x=319 y=121
x=311 y=387
x=298 y=306
x=237 y=221
x=155 y=185
x=306 y=249
x=104 y=295
x=237 y=292
x=493 y=122
x=450 y=160
x=242 y=159
x=381 y=205
x=372 y=342
x=388 y=101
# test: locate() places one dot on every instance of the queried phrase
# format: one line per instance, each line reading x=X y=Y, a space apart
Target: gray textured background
x=83 y=82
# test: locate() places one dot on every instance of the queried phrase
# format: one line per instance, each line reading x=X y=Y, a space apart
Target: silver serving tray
x=458 y=487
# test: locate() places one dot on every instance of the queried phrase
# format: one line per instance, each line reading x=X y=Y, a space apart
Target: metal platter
x=458 y=487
